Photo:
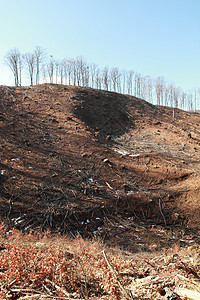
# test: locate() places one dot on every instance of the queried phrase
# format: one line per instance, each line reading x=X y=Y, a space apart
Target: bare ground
x=99 y=163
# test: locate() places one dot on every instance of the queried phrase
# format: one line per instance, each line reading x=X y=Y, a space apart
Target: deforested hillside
x=92 y=162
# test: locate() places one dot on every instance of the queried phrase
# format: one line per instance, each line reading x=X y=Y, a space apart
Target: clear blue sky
x=152 y=37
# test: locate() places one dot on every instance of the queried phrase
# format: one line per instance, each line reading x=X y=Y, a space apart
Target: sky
x=152 y=37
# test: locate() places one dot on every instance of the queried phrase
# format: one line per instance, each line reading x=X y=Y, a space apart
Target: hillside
x=92 y=162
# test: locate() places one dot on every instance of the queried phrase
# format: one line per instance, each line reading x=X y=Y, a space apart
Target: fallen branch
x=18 y=290
x=160 y=206
x=110 y=187
x=185 y=278
x=189 y=270
x=58 y=288
x=47 y=289
x=44 y=296
x=126 y=294
x=30 y=297
x=192 y=295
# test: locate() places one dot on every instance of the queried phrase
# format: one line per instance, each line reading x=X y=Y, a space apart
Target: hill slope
x=92 y=161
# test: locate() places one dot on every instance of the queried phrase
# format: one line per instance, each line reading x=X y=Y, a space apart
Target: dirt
x=92 y=162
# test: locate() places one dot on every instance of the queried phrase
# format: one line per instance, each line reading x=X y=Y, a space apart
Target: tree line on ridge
x=38 y=67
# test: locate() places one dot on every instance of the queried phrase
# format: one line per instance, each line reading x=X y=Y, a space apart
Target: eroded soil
x=93 y=162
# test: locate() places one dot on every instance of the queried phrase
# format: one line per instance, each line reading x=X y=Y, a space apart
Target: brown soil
x=99 y=163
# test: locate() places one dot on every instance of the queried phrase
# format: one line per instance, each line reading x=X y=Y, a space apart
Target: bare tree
x=105 y=78
x=51 y=68
x=44 y=72
x=195 y=98
x=190 y=100
x=149 y=89
x=167 y=95
x=14 y=60
x=144 y=87
x=114 y=74
x=124 y=81
x=82 y=70
x=74 y=71
x=98 y=78
x=119 y=82
x=93 y=68
x=78 y=71
x=87 y=75
x=57 y=69
x=171 y=93
x=61 y=71
x=129 y=80
x=69 y=70
x=160 y=87
x=177 y=92
x=138 y=79
x=29 y=59
x=40 y=57
x=183 y=100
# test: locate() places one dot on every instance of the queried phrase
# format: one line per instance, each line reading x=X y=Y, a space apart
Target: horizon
x=152 y=38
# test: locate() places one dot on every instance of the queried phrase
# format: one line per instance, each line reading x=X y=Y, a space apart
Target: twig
x=12 y=282
x=18 y=290
x=129 y=297
x=123 y=223
x=58 y=287
x=189 y=270
x=67 y=198
x=10 y=208
x=110 y=187
x=149 y=263
x=32 y=296
x=160 y=206
x=47 y=289
x=187 y=279
x=108 y=219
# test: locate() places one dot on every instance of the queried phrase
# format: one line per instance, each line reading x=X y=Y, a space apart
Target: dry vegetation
x=116 y=182
x=46 y=266
x=53 y=266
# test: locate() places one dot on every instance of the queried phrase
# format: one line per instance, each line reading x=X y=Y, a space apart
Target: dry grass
x=54 y=266
x=46 y=266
